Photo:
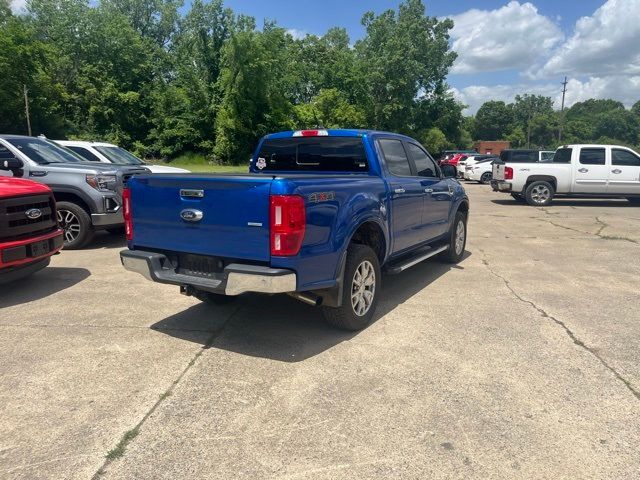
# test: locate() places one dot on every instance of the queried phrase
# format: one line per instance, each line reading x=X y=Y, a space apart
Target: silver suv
x=88 y=195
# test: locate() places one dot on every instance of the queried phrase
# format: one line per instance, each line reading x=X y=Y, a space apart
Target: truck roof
x=333 y=132
x=593 y=145
x=85 y=143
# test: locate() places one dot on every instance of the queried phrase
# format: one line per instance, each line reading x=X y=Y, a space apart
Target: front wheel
x=76 y=223
x=486 y=178
x=539 y=194
x=361 y=290
x=457 y=239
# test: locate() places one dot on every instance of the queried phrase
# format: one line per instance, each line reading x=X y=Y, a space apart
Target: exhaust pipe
x=309 y=298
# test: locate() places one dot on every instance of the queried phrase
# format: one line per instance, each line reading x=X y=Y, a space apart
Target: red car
x=454 y=159
x=29 y=232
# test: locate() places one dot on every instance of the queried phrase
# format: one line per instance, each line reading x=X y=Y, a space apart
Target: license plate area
x=39 y=248
x=199 y=265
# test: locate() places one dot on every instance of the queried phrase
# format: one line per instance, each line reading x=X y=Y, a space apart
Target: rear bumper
x=500 y=186
x=234 y=280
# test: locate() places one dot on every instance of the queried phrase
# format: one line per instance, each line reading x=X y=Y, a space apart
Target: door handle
x=428 y=190
x=399 y=190
x=616 y=170
x=583 y=170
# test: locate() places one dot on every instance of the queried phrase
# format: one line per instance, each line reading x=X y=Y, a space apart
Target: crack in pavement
x=108 y=461
x=564 y=326
x=598 y=234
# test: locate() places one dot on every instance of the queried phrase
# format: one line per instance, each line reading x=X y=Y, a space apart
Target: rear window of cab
x=325 y=154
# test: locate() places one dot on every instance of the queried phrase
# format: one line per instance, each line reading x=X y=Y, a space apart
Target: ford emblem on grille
x=191 y=215
x=33 y=213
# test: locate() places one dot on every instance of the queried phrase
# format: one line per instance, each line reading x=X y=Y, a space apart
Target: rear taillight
x=126 y=213
x=287 y=224
x=508 y=173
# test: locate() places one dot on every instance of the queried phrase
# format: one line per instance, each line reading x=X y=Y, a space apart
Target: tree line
x=144 y=75
x=162 y=81
x=532 y=121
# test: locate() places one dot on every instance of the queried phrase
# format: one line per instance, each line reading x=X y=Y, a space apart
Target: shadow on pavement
x=281 y=328
x=40 y=285
x=562 y=202
x=105 y=239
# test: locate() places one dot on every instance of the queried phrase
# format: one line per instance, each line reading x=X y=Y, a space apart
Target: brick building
x=493 y=147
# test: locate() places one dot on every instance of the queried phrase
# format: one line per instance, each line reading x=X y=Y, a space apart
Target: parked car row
x=87 y=185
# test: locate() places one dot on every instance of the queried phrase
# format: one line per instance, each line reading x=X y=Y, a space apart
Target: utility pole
x=26 y=108
x=564 y=92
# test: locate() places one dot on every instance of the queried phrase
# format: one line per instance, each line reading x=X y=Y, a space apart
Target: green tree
x=329 y=109
x=405 y=56
x=590 y=108
x=493 y=120
x=527 y=106
x=619 y=124
x=517 y=138
x=435 y=141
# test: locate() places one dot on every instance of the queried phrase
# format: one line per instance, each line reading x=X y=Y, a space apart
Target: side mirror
x=448 y=170
x=12 y=165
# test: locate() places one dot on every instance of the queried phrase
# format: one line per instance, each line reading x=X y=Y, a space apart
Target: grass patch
x=119 y=449
x=196 y=162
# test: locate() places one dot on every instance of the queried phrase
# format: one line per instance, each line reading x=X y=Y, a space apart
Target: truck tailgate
x=235 y=214
x=498 y=171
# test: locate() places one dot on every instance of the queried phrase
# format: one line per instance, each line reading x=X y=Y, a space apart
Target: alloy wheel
x=363 y=288
x=70 y=223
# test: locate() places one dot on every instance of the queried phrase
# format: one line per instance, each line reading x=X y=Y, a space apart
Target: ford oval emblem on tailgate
x=33 y=213
x=191 y=215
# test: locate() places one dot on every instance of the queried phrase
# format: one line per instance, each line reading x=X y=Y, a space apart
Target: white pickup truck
x=576 y=170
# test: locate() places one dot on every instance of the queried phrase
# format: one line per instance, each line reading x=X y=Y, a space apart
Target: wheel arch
x=64 y=196
x=541 y=178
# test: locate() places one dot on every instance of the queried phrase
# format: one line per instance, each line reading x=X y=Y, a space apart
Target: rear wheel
x=361 y=290
x=539 y=194
x=76 y=223
x=486 y=177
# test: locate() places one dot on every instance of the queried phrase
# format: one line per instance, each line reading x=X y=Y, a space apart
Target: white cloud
x=297 y=34
x=606 y=43
x=620 y=87
x=17 y=6
x=510 y=37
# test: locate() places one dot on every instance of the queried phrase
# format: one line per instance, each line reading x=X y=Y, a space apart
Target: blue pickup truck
x=319 y=216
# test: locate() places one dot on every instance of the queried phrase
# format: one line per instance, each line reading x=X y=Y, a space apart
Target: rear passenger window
x=84 y=153
x=592 y=156
x=5 y=153
x=562 y=155
x=425 y=166
x=395 y=157
x=625 y=158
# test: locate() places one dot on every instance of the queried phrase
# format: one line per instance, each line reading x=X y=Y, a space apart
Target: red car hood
x=13 y=187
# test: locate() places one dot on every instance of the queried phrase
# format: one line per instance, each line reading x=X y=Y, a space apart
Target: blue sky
x=505 y=47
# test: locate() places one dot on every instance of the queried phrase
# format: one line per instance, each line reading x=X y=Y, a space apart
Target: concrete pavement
x=521 y=362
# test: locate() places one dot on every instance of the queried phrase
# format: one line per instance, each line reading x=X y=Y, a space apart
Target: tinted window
x=562 y=155
x=524 y=157
x=43 y=152
x=592 y=156
x=546 y=156
x=425 y=166
x=5 y=153
x=83 y=152
x=331 y=154
x=395 y=157
x=624 y=157
x=119 y=156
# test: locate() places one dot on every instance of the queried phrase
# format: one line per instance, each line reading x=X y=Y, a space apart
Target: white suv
x=110 y=153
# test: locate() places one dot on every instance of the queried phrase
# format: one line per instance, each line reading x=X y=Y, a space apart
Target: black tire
x=518 y=197
x=486 y=178
x=539 y=194
x=115 y=230
x=455 y=252
x=361 y=259
x=634 y=200
x=76 y=223
x=214 y=298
